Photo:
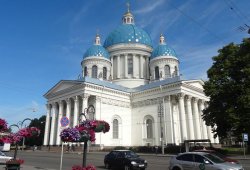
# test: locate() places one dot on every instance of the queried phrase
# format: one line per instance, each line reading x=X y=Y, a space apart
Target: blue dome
x=127 y=33
x=163 y=50
x=97 y=51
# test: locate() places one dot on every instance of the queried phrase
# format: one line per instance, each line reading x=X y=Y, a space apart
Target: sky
x=43 y=41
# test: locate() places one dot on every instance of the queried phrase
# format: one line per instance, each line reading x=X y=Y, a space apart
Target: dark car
x=124 y=159
x=225 y=158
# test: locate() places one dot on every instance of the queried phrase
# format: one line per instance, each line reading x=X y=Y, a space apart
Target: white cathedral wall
x=123 y=114
x=138 y=125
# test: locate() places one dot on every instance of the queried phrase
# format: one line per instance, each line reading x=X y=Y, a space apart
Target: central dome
x=128 y=33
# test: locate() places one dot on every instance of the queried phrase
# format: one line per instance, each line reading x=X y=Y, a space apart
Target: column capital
x=195 y=99
x=188 y=98
x=76 y=98
x=167 y=98
x=48 y=105
x=68 y=100
x=180 y=96
x=85 y=96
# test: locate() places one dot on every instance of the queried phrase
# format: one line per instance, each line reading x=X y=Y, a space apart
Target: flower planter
x=12 y=166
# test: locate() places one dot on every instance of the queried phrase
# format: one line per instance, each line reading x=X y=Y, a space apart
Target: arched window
x=104 y=73
x=85 y=71
x=149 y=128
x=157 y=74
x=94 y=71
x=167 y=71
x=115 y=129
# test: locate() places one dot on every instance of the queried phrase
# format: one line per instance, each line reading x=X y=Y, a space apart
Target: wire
x=196 y=22
x=236 y=10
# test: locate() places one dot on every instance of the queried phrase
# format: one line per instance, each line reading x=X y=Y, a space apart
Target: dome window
x=104 y=73
x=85 y=71
x=94 y=71
x=167 y=71
x=157 y=74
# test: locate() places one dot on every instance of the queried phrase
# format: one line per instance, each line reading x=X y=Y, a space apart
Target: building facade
x=136 y=88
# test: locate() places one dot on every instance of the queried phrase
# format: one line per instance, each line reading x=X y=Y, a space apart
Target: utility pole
x=160 y=114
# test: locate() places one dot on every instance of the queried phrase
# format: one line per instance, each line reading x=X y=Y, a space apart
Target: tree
x=40 y=124
x=229 y=90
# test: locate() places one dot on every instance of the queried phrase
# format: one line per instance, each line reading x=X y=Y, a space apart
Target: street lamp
x=15 y=153
x=25 y=126
x=89 y=110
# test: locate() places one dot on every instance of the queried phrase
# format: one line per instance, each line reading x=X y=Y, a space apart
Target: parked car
x=200 y=161
x=224 y=157
x=124 y=159
x=4 y=158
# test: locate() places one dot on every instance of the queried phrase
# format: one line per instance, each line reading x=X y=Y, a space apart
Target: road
x=51 y=160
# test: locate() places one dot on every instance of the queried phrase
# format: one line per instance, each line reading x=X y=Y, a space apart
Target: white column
x=126 y=65
x=84 y=102
x=203 y=123
x=168 y=120
x=68 y=111
x=118 y=67
x=112 y=67
x=190 y=118
x=134 y=74
x=47 y=125
x=147 y=67
x=58 y=138
x=182 y=117
x=53 y=122
x=210 y=134
x=196 y=119
x=141 y=67
x=97 y=116
x=76 y=111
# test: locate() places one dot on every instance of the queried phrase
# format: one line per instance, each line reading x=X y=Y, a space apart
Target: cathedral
x=135 y=87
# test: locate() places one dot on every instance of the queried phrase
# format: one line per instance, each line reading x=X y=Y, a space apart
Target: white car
x=4 y=158
x=200 y=161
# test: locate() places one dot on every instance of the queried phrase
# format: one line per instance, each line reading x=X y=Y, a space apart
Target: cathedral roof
x=128 y=32
x=163 y=49
x=96 y=50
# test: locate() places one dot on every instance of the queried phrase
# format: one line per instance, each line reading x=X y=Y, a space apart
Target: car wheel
x=107 y=166
x=176 y=168
x=127 y=167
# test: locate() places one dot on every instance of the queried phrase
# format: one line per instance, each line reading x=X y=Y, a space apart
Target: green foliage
x=229 y=90
x=39 y=123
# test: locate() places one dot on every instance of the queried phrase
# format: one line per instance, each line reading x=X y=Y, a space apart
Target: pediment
x=195 y=83
x=60 y=86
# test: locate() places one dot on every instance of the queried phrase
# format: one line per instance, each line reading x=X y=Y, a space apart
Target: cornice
x=129 y=46
x=115 y=102
x=158 y=89
x=157 y=61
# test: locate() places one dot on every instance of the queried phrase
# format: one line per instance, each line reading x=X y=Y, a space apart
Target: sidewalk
x=27 y=167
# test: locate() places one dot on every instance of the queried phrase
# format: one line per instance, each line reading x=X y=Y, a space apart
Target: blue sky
x=43 y=41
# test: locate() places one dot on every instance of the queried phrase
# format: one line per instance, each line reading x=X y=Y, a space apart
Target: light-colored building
x=136 y=88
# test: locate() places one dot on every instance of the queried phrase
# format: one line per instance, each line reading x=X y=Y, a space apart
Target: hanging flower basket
x=3 y=125
x=101 y=126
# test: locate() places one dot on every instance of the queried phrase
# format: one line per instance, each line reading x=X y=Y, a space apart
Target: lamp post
x=25 y=126
x=15 y=153
x=90 y=109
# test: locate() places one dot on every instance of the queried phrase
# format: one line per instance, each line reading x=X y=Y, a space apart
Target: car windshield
x=214 y=158
x=130 y=155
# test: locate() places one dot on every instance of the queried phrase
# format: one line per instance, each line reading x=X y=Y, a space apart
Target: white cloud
x=151 y=6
